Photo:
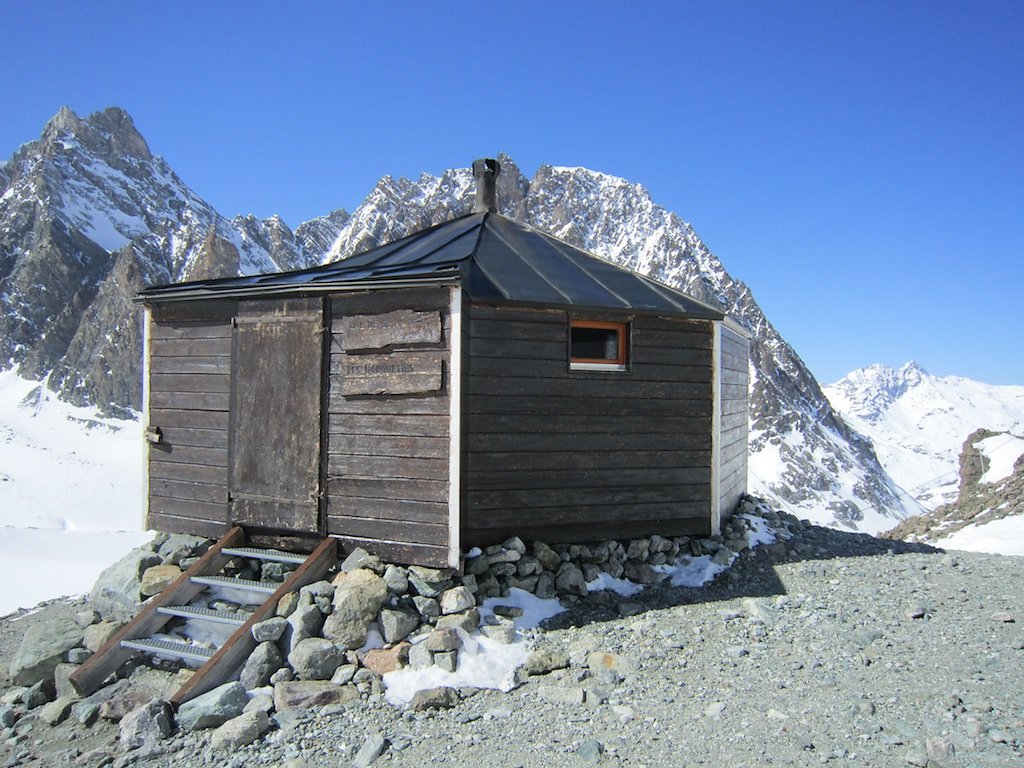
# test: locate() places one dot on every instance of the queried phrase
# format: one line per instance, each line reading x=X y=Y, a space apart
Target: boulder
x=115 y=595
x=429 y=582
x=148 y=724
x=304 y=694
x=305 y=622
x=384 y=660
x=263 y=662
x=157 y=578
x=395 y=625
x=212 y=708
x=456 y=600
x=269 y=630
x=97 y=635
x=358 y=597
x=316 y=658
x=241 y=730
x=434 y=698
x=43 y=648
x=569 y=580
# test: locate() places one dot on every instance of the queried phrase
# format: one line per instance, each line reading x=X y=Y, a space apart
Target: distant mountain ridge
x=88 y=216
x=919 y=422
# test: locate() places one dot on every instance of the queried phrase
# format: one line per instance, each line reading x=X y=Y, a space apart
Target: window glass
x=601 y=343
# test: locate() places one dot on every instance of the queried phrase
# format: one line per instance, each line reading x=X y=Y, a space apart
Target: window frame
x=621 y=360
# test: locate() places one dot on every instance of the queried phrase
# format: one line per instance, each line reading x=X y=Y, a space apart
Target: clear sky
x=859 y=164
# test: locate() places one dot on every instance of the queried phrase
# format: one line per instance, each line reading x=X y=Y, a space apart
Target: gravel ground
x=833 y=649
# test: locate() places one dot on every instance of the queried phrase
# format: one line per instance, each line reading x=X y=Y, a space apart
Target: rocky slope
x=986 y=493
x=825 y=648
x=918 y=422
x=88 y=215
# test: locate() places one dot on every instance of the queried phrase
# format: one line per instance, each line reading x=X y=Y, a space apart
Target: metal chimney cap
x=486 y=172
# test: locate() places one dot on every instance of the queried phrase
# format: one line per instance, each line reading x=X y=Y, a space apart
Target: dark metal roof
x=494 y=258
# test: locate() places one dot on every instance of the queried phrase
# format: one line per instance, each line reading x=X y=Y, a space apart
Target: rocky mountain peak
x=111 y=134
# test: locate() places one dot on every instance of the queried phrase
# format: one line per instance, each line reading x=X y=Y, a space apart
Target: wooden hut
x=471 y=381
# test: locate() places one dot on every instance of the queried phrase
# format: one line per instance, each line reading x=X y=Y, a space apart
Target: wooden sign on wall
x=403 y=327
x=398 y=373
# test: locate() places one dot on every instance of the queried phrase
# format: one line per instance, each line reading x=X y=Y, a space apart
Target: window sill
x=596 y=366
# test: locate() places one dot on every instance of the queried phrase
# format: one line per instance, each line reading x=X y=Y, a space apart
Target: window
x=597 y=345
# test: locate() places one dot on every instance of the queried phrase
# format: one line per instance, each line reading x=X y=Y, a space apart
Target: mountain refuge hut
x=469 y=382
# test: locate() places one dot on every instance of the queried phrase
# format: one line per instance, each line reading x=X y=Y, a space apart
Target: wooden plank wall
x=732 y=475
x=189 y=401
x=562 y=455
x=388 y=424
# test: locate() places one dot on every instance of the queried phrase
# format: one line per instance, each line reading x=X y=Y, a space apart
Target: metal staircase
x=218 y=664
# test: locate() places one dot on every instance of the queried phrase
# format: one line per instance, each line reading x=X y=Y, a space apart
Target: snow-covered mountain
x=88 y=216
x=919 y=422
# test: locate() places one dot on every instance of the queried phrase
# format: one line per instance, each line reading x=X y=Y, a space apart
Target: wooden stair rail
x=241 y=643
x=98 y=667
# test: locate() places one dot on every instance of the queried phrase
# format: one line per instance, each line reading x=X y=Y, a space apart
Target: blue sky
x=858 y=164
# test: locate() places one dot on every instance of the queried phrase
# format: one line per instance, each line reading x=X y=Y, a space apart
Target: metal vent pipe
x=486 y=174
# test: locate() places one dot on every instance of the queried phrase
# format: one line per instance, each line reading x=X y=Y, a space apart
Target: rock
x=261 y=703
x=429 y=582
x=427 y=607
x=343 y=675
x=940 y=750
x=148 y=724
x=96 y=636
x=179 y=546
x=562 y=694
x=241 y=730
x=714 y=710
x=447 y=661
x=283 y=675
x=420 y=657
x=122 y=702
x=56 y=711
x=640 y=573
x=547 y=557
x=590 y=750
x=384 y=660
x=358 y=596
x=442 y=640
x=43 y=648
x=396 y=580
x=115 y=595
x=270 y=630
x=917 y=612
x=86 y=617
x=8 y=716
x=262 y=663
x=157 y=578
x=360 y=558
x=1003 y=617
x=62 y=681
x=600 y=661
x=212 y=708
x=467 y=621
x=543 y=662
x=395 y=625
x=545 y=587
x=316 y=658
x=306 y=621
x=304 y=694
x=456 y=600
x=371 y=749
x=287 y=604
x=502 y=632
x=39 y=694
x=570 y=581
x=434 y=698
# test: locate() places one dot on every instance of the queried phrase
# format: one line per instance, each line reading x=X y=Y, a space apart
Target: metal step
x=234 y=618
x=275 y=555
x=179 y=650
x=263 y=587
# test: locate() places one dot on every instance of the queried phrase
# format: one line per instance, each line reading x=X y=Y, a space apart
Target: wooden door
x=276 y=426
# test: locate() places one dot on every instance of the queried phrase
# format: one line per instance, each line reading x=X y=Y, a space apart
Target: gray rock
x=395 y=625
x=283 y=675
x=543 y=662
x=562 y=694
x=427 y=607
x=641 y=573
x=43 y=648
x=434 y=698
x=358 y=596
x=420 y=657
x=360 y=558
x=56 y=711
x=456 y=600
x=502 y=632
x=8 y=716
x=260 y=703
x=316 y=658
x=88 y=709
x=343 y=675
x=241 y=730
x=262 y=663
x=590 y=750
x=545 y=587
x=305 y=622
x=371 y=749
x=396 y=580
x=447 y=660
x=179 y=546
x=115 y=595
x=547 y=557
x=429 y=582
x=443 y=639
x=212 y=708
x=569 y=580
x=62 y=681
x=940 y=750
x=96 y=635
x=148 y=724
x=39 y=694
x=467 y=621
x=269 y=630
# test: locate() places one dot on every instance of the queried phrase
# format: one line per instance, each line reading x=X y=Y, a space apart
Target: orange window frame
x=622 y=330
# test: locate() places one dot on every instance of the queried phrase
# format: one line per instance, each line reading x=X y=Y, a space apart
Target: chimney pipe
x=486 y=174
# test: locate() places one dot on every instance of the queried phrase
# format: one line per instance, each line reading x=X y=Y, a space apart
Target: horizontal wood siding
x=388 y=424
x=734 y=372
x=190 y=399
x=567 y=455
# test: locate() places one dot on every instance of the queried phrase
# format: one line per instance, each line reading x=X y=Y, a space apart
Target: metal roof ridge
x=570 y=254
x=527 y=264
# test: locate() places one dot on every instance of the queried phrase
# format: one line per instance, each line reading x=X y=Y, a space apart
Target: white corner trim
x=455 y=428
x=716 y=427
x=147 y=352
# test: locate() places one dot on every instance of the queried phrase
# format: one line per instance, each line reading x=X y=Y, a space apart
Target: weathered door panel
x=275 y=444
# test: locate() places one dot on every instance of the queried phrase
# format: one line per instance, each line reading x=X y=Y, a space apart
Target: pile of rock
x=331 y=642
